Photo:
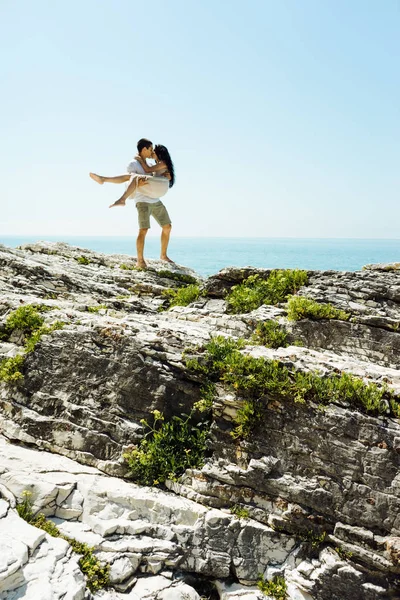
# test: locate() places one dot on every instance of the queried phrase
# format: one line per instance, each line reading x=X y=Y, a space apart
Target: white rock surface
x=136 y=530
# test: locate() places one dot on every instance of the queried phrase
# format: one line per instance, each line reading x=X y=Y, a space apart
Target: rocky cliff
x=311 y=492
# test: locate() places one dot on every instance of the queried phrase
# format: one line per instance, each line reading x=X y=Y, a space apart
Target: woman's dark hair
x=143 y=143
x=163 y=154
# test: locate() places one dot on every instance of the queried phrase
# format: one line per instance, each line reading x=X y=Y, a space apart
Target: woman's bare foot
x=167 y=259
x=140 y=264
x=97 y=178
x=120 y=202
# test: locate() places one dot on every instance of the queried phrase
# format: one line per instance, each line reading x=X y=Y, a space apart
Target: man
x=147 y=207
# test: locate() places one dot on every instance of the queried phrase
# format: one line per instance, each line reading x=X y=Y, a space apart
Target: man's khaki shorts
x=156 y=210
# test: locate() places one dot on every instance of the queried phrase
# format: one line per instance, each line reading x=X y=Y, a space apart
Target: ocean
x=209 y=255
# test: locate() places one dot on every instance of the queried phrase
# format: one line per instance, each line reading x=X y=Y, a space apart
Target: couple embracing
x=147 y=184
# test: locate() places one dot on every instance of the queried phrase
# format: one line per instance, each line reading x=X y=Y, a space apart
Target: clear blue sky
x=282 y=116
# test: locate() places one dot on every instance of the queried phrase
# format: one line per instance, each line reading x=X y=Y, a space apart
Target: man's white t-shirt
x=135 y=167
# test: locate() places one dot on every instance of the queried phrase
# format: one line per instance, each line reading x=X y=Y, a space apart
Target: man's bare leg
x=118 y=179
x=136 y=180
x=165 y=233
x=140 y=248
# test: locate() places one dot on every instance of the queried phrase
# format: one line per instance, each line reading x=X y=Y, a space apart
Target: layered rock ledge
x=332 y=470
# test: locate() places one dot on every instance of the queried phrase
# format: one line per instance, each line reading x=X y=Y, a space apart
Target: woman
x=153 y=186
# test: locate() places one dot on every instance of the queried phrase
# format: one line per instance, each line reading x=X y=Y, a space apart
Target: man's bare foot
x=167 y=259
x=120 y=202
x=140 y=264
x=97 y=178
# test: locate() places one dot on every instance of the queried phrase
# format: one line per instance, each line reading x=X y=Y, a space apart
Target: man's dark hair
x=143 y=143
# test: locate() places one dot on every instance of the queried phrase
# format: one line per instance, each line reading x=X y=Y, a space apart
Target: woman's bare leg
x=135 y=181
x=118 y=179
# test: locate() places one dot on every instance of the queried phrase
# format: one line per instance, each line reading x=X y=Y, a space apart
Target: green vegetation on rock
x=96 y=308
x=276 y=588
x=255 y=291
x=83 y=260
x=252 y=378
x=240 y=511
x=30 y=323
x=314 y=539
x=126 y=267
x=344 y=554
x=270 y=334
x=207 y=395
x=167 y=449
x=247 y=418
x=51 y=296
x=182 y=296
x=300 y=307
x=25 y=319
x=10 y=369
x=96 y=574
x=36 y=336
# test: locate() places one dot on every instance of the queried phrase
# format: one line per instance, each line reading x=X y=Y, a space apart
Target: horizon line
x=23 y=235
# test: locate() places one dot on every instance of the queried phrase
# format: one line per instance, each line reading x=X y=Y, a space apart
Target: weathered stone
x=87 y=387
x=34 y=565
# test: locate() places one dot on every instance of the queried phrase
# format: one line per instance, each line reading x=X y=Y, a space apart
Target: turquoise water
x=209 y=255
